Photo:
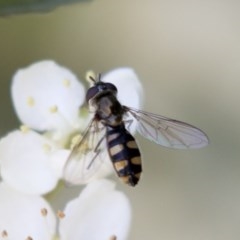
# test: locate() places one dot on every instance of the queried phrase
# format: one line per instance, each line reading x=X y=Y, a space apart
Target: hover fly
x=107 y=135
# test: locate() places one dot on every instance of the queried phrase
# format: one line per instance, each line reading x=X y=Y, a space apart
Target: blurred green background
x=187 y=55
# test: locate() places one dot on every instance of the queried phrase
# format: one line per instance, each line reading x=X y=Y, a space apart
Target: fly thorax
x=109 y=110
x=93 y=105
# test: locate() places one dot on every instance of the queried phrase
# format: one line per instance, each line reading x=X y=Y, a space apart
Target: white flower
x=97 y=214
x=20 y=216
x=48 y=97
x=48 y=100
x=28 y=162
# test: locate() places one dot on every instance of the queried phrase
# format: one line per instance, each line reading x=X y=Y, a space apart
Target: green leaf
x=8 y=7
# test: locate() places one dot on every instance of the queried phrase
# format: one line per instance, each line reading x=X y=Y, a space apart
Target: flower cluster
x=48 y=100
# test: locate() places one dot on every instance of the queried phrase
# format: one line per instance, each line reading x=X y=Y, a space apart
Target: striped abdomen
x=124 y=154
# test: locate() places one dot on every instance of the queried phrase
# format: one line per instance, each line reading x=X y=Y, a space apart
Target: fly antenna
x=92 y=79
x=99 y=77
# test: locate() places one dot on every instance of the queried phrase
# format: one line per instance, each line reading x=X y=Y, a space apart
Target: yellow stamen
x=113 y=237
x=60 y=214
x=66 y=83
x=44 y=212
x=53 y=109
x=4 y=234
x=24 y=129
x=30 y=101
x=75 y=140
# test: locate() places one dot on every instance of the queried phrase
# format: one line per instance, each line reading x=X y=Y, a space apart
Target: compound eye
x=111 y=87
x=91 y=93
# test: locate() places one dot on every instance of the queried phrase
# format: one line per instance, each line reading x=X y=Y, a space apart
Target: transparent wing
x=89 y=157
x=168 y=132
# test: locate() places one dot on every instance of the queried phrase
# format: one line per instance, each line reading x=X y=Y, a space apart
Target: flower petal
x=97 y=214
x=130 y=90
x=25 y=162
x=58 y=160
x=47 y=96
x=20 y=216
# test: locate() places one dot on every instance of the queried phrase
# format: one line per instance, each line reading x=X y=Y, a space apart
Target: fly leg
x=96 y=151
